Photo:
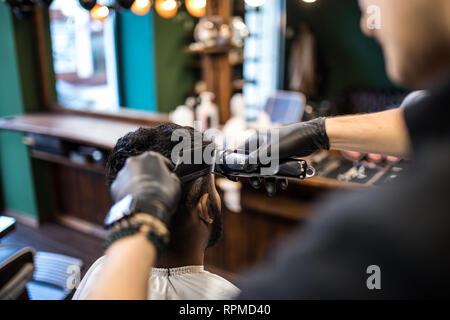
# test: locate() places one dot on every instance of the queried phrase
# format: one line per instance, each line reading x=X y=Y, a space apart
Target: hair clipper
x=233 y=165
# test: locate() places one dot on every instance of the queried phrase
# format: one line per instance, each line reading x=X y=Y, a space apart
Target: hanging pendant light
x=100 y=12
x=166 y=8
x=141 y=7
x=196 y=8
x=88 y=4
x=125 y=4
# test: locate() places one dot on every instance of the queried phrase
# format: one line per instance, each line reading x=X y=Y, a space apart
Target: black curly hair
x=159 y=139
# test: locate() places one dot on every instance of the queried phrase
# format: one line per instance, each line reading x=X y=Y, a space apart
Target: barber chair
x=16 y=270
x=55 y=276
x=26 y=275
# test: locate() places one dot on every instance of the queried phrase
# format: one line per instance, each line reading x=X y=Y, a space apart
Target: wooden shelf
x=65 y=161
x=239 y=84
x=281 y=206
x=144 y=118
x=211 y=50
x=96 y=132
x=239 y=62
x=327 y=183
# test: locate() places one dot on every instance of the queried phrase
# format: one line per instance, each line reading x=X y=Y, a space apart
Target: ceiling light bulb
x=100 y=12
x=141 y=7
x=169 y=4
x=196 y=8
x=166 y=8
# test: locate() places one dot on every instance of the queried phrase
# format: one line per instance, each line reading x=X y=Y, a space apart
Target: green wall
x=136 y=61
x=16 y=177
x=175 y=75
x=154 y=71
x=350 y=59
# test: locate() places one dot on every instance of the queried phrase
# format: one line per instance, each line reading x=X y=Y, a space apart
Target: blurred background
x=77 y=75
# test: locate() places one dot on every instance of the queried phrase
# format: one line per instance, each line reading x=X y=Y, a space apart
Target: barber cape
x=184 y=283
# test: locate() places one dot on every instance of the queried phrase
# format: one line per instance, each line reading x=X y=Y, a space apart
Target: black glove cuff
x=323 y=140
x=156 y=232
x=145 y=203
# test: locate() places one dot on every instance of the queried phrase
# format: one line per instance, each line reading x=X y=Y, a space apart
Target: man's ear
x=203 y=210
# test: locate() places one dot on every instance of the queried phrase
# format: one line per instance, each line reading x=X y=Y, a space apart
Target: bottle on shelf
x=207 y=113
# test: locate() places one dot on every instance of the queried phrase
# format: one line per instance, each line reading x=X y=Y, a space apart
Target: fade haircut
x=158 y=139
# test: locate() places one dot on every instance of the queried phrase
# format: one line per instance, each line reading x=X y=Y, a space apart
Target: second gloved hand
x=154 y=187
x=295 y=140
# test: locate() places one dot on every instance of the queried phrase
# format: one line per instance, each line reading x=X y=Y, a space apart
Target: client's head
x=197 y=220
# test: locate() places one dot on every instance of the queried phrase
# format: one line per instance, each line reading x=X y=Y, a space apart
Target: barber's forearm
x=126 y=270
x=383 y=132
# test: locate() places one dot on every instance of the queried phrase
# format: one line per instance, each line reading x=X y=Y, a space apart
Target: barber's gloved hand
x=155 y=188
x=295 y=140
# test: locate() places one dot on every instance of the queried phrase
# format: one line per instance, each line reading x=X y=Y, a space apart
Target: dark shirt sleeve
x=402 y=229
x=429 y=117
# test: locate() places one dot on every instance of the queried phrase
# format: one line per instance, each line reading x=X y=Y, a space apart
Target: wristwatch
x=122 y=209
x=125 y=218
x=134 y=203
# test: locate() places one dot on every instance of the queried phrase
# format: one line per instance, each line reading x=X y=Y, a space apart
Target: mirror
x=122 y=58
x=84 y=57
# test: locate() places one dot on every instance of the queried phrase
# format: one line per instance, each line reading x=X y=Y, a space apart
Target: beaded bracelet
x=155 y=231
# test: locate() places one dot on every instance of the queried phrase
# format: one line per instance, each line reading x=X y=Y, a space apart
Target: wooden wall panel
x=216 y=67
x=247 y=238
x=81 y=194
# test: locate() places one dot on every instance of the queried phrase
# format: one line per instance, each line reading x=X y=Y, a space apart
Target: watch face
x=119 y=210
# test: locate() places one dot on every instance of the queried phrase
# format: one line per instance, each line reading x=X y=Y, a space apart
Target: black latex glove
x=149 y=179
x=295 y=140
